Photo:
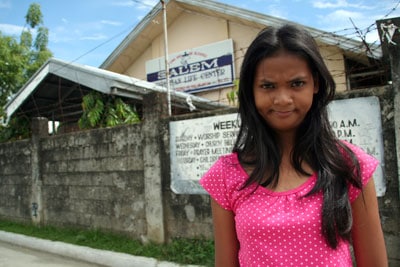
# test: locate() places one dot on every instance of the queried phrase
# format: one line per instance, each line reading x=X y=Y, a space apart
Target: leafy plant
x=100 y=110
x=233 y=95
x=17 y=128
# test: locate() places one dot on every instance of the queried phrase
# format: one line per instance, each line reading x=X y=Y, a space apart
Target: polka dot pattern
x=278 y=228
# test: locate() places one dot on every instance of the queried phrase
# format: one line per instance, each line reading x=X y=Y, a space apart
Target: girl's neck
x=286 y=143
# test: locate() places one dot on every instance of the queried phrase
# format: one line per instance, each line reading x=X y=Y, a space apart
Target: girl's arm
x=226 y=243
x=367 y=235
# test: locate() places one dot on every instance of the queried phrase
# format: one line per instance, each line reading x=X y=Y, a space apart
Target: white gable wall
x=191 y=29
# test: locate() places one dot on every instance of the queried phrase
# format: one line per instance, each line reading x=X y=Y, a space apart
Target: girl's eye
x=298 y=83
x=267 y=86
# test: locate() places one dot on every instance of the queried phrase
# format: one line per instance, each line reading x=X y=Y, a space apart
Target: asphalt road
x=16 y=256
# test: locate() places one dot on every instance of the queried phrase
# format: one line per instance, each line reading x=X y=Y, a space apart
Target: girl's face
x=283 y=89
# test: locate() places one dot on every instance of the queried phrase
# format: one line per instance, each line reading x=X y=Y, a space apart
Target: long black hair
x=315 y=144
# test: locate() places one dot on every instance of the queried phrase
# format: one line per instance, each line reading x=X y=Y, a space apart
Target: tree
x=36 y=52
x=12 y=64
x=20 y=59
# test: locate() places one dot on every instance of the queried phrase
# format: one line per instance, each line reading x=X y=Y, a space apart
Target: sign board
x=196 y=144
x=198 y=69
x=358 y=121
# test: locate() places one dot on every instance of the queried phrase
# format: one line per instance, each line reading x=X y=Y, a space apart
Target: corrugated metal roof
x=55 y=91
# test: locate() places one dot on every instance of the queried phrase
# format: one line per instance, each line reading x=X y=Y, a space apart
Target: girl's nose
x=282 y=97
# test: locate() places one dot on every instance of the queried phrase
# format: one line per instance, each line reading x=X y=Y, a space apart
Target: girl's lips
x=283 y=113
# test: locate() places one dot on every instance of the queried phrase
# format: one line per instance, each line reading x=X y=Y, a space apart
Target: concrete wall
x=88 y=179
x=15 y=180
x=118 y=179
x=95 y=178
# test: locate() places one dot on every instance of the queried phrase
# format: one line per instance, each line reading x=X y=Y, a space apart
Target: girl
x=290 y=193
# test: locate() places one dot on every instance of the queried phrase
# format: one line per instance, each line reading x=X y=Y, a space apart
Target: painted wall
x=192 y=30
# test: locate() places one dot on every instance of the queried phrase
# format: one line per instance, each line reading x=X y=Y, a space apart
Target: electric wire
x=350 y=33
x=357 y=33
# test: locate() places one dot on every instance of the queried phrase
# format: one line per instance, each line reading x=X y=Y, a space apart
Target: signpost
x=198 y=69
x=196 y=144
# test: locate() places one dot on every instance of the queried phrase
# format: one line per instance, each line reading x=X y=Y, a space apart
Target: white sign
x=196 y=144
x=198 y=69
x=358 y=121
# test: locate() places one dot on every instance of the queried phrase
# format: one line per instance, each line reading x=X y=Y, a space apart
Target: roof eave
x=144 y=23
x=101 y=80
x=346 y=44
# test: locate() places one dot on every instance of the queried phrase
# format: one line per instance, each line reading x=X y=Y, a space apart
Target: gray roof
x=240 y=15
x=55 y=91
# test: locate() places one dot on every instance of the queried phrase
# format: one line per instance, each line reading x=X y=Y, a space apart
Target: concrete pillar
x=389 y=32
x=154 y=109
x=40 y=129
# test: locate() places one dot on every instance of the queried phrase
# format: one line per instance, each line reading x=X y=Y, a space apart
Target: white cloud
x=146 y=4
x=9 y=29
x=276 y=11
x=140 y=4
x=340 y=18
x=123 y=3
x=5 y=4
x=337 y=4
x=110 y=22
x=339 y=21
x=94 y=37
x=340 y=14
x=150 y=2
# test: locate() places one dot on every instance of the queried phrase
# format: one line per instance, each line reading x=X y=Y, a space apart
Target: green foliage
x=12 y=65
x=36 y=52
x=19 y=60
x=34 y=16
x=180 y=250
x=17 y=128
x=42 y=39
x=233 y=95
x=100 y=110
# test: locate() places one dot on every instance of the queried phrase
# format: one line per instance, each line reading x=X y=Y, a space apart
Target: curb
x=91 y=255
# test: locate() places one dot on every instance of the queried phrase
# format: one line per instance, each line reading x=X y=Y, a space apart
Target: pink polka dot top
x=279 y=228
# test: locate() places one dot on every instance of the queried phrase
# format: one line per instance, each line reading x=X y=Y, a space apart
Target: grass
x=180 y=250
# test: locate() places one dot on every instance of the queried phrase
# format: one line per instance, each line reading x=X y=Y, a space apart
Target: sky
x=87 y=31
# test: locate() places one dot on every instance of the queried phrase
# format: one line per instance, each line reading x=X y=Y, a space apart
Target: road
x=16 y=256
x=24 y=251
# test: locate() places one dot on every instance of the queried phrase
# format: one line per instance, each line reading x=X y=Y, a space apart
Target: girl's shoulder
x=226 y=162
x=368 y=165
x=362 y=156
x=229 y=160
x=224 y=177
